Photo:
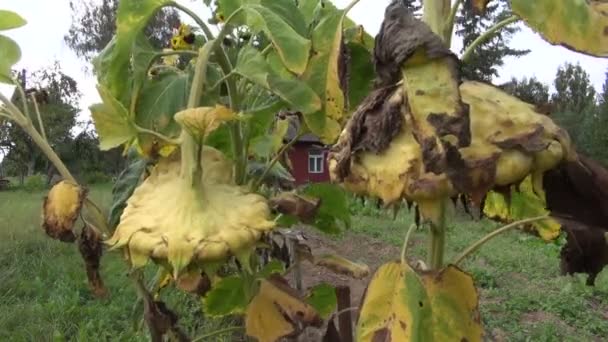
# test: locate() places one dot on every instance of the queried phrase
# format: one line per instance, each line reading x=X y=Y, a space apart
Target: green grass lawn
x=523 y=297
x=44 y=294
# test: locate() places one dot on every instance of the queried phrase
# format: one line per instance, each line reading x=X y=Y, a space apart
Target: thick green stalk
x=190 y=147
x=437 y=239
x=436 y=15
x=472 y=248
x=451 y=19
x=487 y=35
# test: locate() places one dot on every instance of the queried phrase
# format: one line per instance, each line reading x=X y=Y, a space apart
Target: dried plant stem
x=472 y=248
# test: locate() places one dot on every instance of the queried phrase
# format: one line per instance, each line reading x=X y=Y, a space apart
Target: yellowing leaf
x=277 y=311
x=401 y=305
x=10 y=54
x=342 y=265
x=522 y=203
x=112 y=121
x=61 y=209
x=575 y=24
x=203 y=120
x=10 y=20
x=168 y=219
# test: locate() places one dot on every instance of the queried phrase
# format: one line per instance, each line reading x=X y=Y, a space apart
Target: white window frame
x=318 y=159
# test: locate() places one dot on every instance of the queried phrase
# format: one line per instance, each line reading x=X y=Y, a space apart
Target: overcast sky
x=41 y=42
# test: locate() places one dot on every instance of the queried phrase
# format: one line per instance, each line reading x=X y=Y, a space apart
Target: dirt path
x=355 y=247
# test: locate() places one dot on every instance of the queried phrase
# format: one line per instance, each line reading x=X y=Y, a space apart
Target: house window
x=315 y=161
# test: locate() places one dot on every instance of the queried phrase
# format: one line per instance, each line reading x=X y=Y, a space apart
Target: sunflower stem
x=436 y=14
x=28 y=127
x=485 y=36
x=406 y=241
x=437 y=239
x=451 y=19
x=472 y=248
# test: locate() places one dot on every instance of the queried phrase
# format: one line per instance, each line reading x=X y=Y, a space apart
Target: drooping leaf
x=226 y=297
x=334 y=206
x=10 y=20
x=252 y=65
x=289 y=12
x=323 y=298
x=131 y=19
x=160 y=99
x=261 y=118
x=202 y=121
x=327 y=74
x=277 y=311
x=303 y=207
x=124 y=186
x=10 y=54
x=143 y=54
x=323 y=70
x=361 y=74
x=342 y=265
x=401 y=305
x=308 y=9
x=522 y=203
x=264 y=146
x=112 y=121
x=91 y=249
x=574 y=24
x=61 y=208
x=266 y=16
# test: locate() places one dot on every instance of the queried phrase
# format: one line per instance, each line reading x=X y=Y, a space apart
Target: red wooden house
x=308 y=158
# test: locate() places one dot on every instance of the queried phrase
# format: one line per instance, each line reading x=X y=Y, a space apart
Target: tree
x=530 y=90
x=58 y=107
x=94 y=25
x=573 y=89
x=575 y=107
x=487 y=57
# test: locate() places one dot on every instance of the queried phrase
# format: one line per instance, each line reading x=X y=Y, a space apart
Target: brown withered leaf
x=342 y=265
x=400 y=37
x=577 y=196
x=91 y=250
x=303 y=207
x=194 y=282
x=578 y=191
x=372 y=127
x=161 y=320
x=61 y=209
x=585 y=251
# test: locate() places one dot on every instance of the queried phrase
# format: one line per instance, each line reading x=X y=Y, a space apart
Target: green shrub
x=96 y=177
x=35 y=182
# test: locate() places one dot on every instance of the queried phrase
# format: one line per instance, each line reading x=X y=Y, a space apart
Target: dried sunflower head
x=423 y=135
x=61 y=209
x=166 y=219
